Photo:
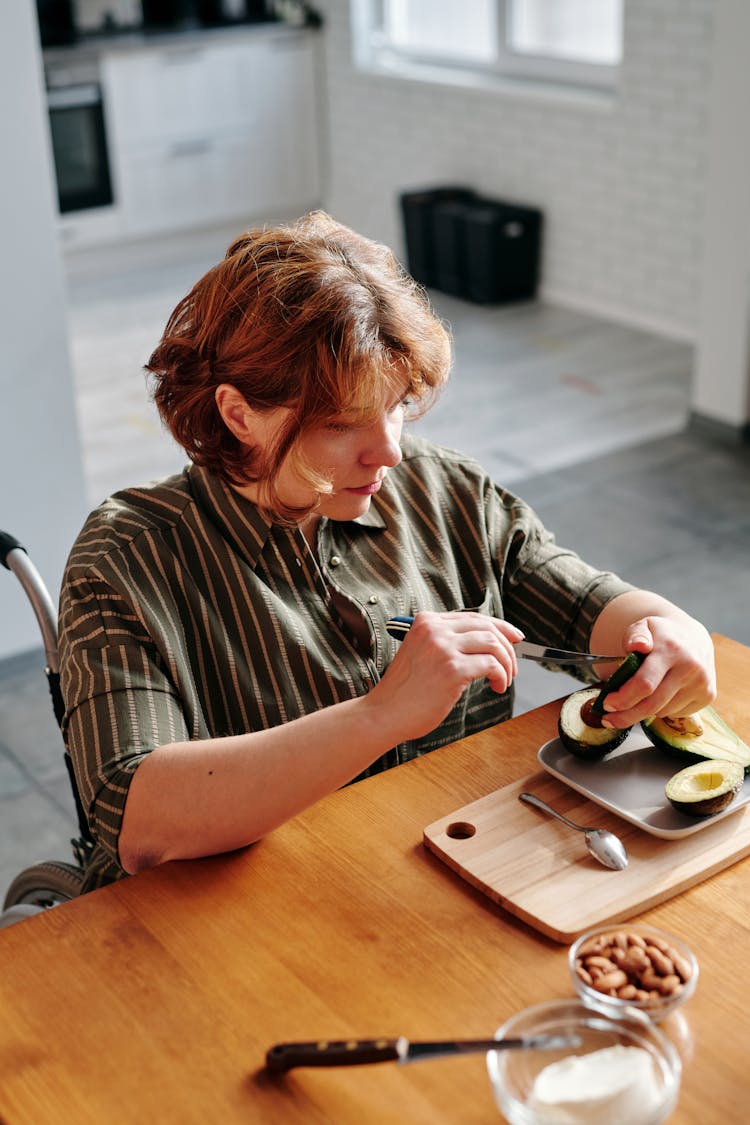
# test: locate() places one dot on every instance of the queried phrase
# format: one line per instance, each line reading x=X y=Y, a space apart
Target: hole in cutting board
x=460 y=830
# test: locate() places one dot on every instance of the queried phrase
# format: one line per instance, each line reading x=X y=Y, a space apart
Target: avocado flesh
x=705 y=788
x=584 y=741
x=717 y=740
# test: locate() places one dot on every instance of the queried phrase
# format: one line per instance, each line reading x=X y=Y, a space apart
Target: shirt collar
x=238 y=519
x=242 y=522
x=373 y=517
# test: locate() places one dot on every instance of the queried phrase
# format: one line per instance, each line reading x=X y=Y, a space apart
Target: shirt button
x=373 y=599
x=335 y=560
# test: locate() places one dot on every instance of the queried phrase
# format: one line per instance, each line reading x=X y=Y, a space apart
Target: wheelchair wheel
x=45 y=884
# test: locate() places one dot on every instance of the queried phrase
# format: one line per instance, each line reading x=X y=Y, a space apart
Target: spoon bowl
x=607 y=848
x=604 y=846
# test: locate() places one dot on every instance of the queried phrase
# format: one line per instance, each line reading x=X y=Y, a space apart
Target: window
x=440 y=29
x=577 y=42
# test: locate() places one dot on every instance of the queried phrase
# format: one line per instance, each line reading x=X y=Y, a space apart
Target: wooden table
x=154 y=1000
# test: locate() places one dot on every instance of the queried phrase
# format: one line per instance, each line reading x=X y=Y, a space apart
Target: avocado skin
x=588 y=753
x=723 y=743
x=620 y=676
x=705 y=808
x=576 y=744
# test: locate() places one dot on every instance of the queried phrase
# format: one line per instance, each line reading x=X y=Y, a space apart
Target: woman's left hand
x=678 y=676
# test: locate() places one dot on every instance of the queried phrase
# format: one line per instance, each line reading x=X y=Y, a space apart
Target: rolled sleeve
x=548 y=590
x=119 y=706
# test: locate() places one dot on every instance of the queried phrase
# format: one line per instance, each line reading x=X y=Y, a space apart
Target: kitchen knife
x=398 y=627
x=356 y=1052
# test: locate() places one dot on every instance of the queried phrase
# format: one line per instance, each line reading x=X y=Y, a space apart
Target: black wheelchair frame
x=45 y=883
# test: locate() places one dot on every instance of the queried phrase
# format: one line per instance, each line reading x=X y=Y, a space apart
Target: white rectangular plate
x=630 y=782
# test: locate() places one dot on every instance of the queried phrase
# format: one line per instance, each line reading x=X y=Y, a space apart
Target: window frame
x=511 y=69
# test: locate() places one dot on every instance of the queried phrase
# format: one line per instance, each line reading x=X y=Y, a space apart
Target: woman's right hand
x=204 y=796
x=440 y=656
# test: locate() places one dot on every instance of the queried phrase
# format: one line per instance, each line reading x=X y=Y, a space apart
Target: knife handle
x=399 y=626
x=331 y=1052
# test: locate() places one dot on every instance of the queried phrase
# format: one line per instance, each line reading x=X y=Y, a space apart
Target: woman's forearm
x=200 y=798
x=609 y=630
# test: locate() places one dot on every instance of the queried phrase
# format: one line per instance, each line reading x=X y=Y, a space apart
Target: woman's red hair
x=312 y=317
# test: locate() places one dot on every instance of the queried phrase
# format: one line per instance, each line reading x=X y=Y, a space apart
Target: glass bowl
x=649 y=970
x=646 y=1092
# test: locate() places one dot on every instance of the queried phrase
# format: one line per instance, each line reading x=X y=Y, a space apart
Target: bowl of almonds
x=633 y=966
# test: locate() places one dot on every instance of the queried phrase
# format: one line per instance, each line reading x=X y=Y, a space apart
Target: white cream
x=614 y=1086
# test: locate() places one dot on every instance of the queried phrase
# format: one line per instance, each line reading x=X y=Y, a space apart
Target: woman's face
x=354 y=458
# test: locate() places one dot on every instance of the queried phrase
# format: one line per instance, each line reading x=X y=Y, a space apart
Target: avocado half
x=698 y=737
x=580 y=723
x=581 y=731
x=705 y=788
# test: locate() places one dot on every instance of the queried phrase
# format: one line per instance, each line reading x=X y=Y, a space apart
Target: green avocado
x=581 y=731
x=705 y=788
x=698 y=737
x=620 y=676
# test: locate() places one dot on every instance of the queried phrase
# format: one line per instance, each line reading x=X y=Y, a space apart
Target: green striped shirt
x=187 y=614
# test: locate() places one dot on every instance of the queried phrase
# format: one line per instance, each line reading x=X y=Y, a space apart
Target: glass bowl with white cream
x=621 y=1071
x=633 y=965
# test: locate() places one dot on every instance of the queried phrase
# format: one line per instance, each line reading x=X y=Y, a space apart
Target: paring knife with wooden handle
x=356 y=1052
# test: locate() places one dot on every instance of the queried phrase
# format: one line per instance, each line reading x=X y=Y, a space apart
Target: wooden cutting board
x=541 y=871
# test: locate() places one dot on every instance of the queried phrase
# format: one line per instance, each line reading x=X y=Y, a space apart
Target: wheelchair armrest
x=8 y=543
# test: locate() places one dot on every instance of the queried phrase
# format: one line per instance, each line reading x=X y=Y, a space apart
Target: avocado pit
x=581 y=731
x=590 y=717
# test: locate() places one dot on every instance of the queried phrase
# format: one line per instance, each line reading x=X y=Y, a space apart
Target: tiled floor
x=583 y=418
x=534 y=387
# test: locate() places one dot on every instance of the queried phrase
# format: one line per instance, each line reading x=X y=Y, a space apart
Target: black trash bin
x=448 y=226
x=483 y=250
x=502 y=244
x=417 y=210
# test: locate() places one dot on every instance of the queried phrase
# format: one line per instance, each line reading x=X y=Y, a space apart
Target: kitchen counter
x=90 y=46
x=181 y=116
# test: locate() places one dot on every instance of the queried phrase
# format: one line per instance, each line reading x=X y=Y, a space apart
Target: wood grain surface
x=541 y=871
x=155 y=1000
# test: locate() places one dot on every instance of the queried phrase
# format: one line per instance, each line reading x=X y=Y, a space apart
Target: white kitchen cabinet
x=168 y=93
x=286 y=160
x=171 y=186
x=213 y=131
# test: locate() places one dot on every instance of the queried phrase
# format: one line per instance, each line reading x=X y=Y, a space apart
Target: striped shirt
x=187 y=614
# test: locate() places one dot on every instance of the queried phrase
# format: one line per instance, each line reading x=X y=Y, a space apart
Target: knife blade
x=357 y=1052
x=399 y=626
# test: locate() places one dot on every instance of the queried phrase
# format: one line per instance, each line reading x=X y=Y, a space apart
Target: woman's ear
x=237 y=415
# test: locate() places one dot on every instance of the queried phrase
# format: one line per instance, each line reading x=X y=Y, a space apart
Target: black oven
x=79 y=139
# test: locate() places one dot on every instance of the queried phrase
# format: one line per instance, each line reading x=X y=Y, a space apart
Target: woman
x=224 y=652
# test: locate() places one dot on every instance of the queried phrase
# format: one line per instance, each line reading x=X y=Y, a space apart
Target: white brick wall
x=622 y=186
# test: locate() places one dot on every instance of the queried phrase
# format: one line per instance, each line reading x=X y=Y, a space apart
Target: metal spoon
x=603 y=845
